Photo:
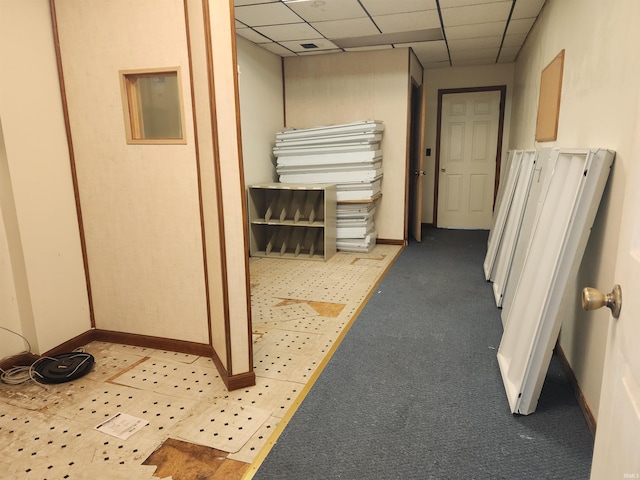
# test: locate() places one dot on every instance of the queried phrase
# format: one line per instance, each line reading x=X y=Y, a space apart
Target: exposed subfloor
x=196 y=428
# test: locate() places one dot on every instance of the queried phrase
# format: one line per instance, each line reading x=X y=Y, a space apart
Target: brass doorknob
x=593 y=299
x=443 y=169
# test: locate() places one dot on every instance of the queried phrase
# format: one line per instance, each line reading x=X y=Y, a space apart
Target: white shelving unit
x=289 y=220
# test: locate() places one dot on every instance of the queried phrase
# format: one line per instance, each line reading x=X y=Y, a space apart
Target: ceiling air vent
x=308 y=45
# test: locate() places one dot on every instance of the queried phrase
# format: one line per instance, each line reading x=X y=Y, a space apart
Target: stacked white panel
x=348 y=156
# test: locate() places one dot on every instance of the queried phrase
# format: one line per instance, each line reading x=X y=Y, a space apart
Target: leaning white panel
x=500 y=214
x=541 y=176
x=502 y=263
x=568 y=207
x=504 y=172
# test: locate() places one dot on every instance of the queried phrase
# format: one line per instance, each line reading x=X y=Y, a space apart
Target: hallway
x=414 y=390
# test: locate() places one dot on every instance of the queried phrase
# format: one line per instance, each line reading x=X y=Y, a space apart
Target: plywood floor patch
x=187 y=461
x=325 y=309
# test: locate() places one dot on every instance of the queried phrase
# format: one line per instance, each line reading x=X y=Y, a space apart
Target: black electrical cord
x=61 y=368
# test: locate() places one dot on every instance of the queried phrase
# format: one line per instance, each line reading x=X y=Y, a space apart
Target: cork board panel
x=549 y=101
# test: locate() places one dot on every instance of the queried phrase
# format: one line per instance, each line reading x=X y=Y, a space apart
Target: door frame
x=416 y=142
x=445 y=91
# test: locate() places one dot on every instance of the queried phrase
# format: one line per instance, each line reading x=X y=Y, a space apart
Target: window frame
x=132 y=110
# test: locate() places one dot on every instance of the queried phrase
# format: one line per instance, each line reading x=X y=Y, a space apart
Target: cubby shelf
x=288 y=220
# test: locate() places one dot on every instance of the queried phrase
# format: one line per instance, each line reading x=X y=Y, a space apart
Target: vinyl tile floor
x=195 y=428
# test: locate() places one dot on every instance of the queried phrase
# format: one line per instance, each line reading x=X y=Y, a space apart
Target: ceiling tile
x=290 y=31
x=400 y=22
x=278 y=49
x=520 y=26
x=478 y=30
x=509 y=52
x=464 y=3
x=491 y=12
x=430 y=51
x=320 y=11
x=252 y=35
x=354 y=27
x=457 y=55
x=375 y=47
x=252 y=2
x=266 y=14
x=514 y=40
x=319 y=52
x=473 y=61
x=471 y=43
x=388 y=7
x=433 y=65
x=296 y=46
x=527 y=9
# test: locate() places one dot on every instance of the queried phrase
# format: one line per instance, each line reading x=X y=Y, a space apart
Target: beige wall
x=140 y=202
x=141 y=206
x=353 y=86
x=208 y=183
x=415 y=68
x=458 y=77
x=261 y=109
x=13 y=285
x=232 y=187
x=42 y=283
x=598 y=109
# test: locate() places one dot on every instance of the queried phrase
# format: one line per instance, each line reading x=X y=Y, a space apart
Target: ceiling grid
x=441 y=32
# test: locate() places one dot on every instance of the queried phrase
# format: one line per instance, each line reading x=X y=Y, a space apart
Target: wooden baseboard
x=158 y=343
x=71 y=344
x=19 y=360
x=386 y=241
x=232 y=382
x=582 y=401
x=25 y=359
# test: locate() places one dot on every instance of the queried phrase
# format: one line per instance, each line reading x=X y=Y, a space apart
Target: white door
x=467 y=163
x=617 y=444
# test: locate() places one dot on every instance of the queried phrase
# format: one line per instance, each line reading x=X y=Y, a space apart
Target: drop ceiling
x=442 y=33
